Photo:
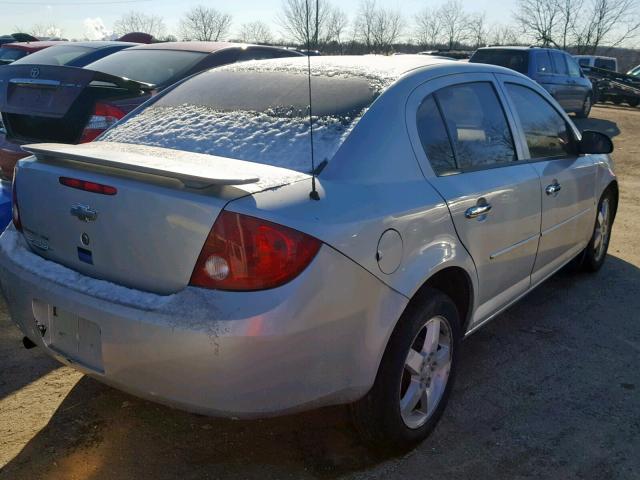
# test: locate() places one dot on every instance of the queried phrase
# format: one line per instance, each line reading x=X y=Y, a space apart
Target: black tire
x=633 y=102
x=616 y=100
x=592 y=257
x=586 y=107
x=377 y=416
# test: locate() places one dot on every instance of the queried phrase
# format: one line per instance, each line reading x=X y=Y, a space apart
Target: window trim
x=523 y=137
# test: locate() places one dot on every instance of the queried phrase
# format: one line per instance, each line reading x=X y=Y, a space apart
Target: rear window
x=254 y=116
x=514 y=59
x=606 y=63
x=8 y=55
x=61 y=55
x=584 y=62
x=158 y=67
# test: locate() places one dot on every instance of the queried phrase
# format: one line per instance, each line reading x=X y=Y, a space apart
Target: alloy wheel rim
x=601 y=235
x=587 y=105
x=426 y=372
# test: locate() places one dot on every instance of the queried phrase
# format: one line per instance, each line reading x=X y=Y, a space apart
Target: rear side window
x=546 y=132
x=574 y=69
x=475 y=124
x=434 y=137
x=256 y=54
x=543 y=62
x=517 y=60
x=559 y=64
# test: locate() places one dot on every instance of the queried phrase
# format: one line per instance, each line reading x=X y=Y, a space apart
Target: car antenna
x=314 y=192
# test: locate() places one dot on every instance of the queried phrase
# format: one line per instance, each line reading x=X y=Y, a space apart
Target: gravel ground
x=550 y=389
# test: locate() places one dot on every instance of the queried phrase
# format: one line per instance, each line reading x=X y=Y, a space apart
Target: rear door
x=567 y=185
x=460 y=130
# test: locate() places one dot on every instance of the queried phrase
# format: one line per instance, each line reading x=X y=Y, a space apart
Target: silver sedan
x=198 y=255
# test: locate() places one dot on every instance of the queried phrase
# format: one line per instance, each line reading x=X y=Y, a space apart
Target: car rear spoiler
x=195 y=170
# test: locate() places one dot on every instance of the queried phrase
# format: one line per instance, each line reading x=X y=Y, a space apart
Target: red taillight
x=15 y=211
x=88 y=186
x=246 y=253
x=104 y=116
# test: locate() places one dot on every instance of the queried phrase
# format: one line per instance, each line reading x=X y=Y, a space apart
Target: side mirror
x=595 y=143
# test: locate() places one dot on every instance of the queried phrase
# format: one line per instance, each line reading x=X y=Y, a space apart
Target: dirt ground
x=550 y=389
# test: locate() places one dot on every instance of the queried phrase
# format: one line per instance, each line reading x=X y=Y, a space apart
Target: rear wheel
x=596 y=252
x=415 y=377
x=634 y=102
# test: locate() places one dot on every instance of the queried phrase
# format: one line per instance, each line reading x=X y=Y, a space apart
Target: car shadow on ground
x=19 y=367
x=554 y=377
x=603 y=126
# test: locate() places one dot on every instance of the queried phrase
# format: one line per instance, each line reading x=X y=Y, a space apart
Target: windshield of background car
x=9 y=55
x=157 y=67
x=260 y=117
x=514 y=59
x=60 y=55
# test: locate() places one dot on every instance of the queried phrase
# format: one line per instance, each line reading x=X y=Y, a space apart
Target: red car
x=10 y=52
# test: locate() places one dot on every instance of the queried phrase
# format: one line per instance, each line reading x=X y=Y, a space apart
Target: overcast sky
x=81 y=18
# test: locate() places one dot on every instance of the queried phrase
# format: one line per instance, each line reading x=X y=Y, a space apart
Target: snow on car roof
x=380 y=70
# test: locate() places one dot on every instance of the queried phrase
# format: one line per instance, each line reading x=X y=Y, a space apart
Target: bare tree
x=378 y=28
x=305 y=21
x=336 y=24
x=139 y=22
x=49 y=30
x=454 y=23
x=256 y=32
x=539 y=19
x=504 y=35
x=610 y=21
x=569 y=14
x=428 y=30
x=205 y=24
x=478 y=31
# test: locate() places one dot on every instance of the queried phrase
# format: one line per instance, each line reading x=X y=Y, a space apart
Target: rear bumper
x=315 y=341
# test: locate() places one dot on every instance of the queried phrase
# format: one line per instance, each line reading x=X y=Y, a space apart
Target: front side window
x=559 y=65
x=477 y=125
x=545 y=130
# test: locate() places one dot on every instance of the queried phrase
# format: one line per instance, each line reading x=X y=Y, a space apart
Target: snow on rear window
x=254 y=116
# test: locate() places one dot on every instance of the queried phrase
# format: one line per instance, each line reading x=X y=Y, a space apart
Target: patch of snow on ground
x=281 y=141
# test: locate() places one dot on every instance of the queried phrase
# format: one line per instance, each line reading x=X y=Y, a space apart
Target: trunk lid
x=147 y=235
x=47 y=102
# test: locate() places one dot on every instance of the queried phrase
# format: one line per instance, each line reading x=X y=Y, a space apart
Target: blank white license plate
x=72 y=336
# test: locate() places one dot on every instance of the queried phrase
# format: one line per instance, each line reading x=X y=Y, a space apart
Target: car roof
x=103 y=44
x=375 y=67
x=205 y=47
x=34 y=46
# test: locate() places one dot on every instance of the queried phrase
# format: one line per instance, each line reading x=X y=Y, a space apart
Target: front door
x=567 y=180
x=494 y=200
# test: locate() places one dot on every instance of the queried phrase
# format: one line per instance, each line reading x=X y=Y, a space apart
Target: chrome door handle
x=553 y=188
x=477 y=211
